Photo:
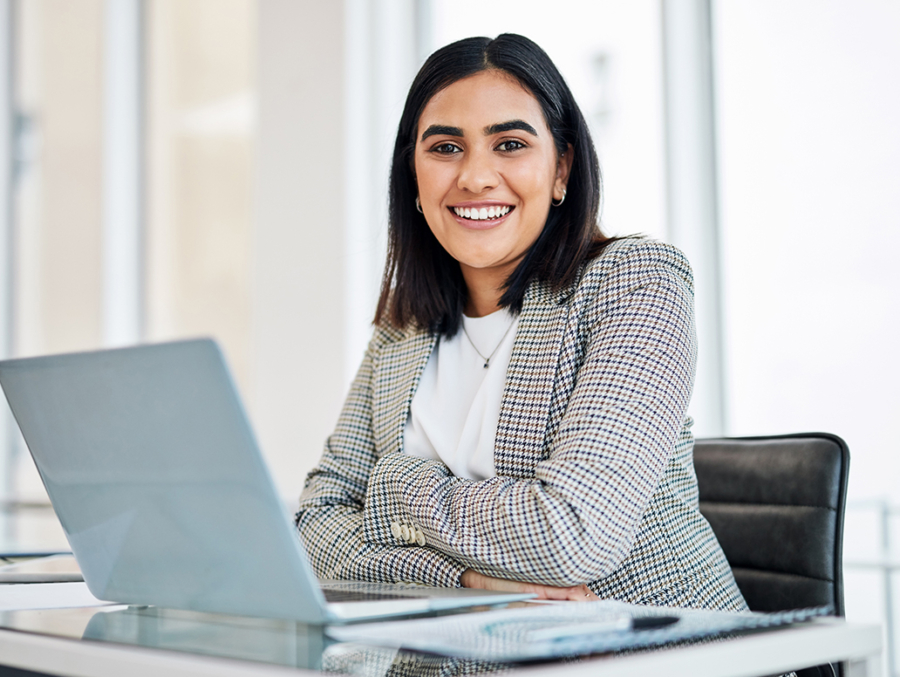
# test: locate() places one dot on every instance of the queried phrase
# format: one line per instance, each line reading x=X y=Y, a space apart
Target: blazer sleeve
x=330 y=517
x=576 y=519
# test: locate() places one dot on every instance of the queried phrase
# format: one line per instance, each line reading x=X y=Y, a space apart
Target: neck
x=485 y=287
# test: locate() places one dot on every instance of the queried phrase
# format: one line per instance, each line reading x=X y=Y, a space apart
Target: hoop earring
x=561 y=200
x=418 y=205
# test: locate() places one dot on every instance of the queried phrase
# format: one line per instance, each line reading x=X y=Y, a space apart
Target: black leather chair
x=776 y=505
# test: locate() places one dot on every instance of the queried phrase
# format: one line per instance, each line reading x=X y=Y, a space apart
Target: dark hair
x=422 y=283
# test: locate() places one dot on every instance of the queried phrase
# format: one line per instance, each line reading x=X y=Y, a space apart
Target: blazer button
x=404 y=532
x=420 y=537
x=395 y=529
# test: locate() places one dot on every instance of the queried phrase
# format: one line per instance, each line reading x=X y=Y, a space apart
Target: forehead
x=480 y=100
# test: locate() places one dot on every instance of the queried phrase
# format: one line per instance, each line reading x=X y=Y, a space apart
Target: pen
x=612 y=625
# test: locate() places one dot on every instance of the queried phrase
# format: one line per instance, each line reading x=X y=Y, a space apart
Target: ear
x=563 y=167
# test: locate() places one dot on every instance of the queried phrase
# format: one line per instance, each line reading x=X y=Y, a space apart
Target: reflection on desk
x=252 y=639
x=269 y=641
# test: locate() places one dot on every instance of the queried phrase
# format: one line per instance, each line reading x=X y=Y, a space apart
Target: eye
x=511 y=145
x=446 y=148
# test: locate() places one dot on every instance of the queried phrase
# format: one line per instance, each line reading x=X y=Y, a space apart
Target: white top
x=454 y=413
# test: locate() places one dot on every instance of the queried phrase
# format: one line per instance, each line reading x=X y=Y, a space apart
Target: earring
x=418 y=205
x=561 y=200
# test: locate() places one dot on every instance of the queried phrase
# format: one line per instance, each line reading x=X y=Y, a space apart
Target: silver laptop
x=153 y=470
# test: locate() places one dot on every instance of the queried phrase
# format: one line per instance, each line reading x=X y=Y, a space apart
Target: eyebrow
x=509 y=126
x=442 y=129
x=498 y=128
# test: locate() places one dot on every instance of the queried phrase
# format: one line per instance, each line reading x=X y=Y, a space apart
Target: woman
x=518 y=421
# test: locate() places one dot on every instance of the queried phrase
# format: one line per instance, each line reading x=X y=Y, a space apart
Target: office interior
x=178 y=168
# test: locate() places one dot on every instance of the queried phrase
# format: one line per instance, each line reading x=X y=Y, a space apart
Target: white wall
x=299 y=283
x=332 y=81
x=809 y=105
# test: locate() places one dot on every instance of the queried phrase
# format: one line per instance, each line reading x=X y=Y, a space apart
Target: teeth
x=481 y=214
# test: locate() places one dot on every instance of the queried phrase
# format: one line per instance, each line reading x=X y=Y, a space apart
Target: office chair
x=776 y=504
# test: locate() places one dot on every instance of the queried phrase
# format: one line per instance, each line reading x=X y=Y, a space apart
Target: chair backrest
x=776 y=505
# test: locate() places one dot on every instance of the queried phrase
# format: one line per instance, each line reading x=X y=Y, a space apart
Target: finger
x=577 y=595
x=543 y=592
x=570 y=594
x=581 y=593
x=562 y=594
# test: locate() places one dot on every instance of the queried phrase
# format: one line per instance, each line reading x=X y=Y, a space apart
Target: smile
x=483 y=214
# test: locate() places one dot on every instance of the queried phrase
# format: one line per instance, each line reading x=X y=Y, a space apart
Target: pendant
x=486 y=364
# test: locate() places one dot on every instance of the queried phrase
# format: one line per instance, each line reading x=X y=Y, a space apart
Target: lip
x=480 y=225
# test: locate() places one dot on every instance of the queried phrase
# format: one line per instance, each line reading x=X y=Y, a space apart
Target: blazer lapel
x=525 y=409
x=397 y=376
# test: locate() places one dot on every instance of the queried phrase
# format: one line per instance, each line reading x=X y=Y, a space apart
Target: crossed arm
x=574 y=521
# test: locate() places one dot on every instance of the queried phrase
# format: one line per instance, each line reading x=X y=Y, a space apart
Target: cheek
x=535 y=190
x=431 y=179
x=532 y=182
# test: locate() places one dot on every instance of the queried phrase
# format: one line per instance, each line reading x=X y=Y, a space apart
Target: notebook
x=154 y=472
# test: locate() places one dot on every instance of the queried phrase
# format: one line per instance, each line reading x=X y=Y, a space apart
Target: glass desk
x=146 y=640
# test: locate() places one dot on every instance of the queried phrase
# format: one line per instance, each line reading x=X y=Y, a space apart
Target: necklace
x=487 y=360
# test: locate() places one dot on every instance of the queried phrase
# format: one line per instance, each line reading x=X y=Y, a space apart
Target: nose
x=477 y=172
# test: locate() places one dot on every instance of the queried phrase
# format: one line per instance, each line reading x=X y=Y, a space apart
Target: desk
x=58 y=642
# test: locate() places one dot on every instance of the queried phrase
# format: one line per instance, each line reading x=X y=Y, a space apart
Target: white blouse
x=454 y=413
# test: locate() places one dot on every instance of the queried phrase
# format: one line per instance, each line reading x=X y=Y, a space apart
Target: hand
x=575 y=593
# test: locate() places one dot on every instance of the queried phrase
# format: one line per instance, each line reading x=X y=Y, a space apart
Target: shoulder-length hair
x=422 y=284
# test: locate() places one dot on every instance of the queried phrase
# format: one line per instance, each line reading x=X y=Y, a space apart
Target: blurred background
x=176 y=168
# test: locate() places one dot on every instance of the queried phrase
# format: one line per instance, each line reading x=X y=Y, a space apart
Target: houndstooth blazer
x=595 y=481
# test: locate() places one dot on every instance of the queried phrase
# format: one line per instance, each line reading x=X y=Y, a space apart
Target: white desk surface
x=772 y=652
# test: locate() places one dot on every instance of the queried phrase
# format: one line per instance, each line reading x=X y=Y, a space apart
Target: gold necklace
x=487 y=360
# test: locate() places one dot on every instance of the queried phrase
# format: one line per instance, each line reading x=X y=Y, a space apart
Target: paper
x=16 y=597
x=559 y=630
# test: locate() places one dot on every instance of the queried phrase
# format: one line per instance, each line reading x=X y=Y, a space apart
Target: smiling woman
x=545 y=447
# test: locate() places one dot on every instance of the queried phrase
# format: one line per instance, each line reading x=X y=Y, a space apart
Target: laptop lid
x=154 y=473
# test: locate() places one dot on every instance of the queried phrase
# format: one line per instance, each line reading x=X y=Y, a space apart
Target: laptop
x=154 y=472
